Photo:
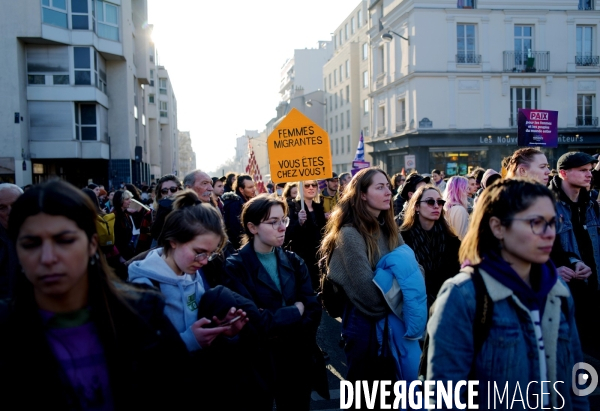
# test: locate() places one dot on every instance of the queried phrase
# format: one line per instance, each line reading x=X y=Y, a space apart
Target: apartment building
x=79 y=87
x=346 y=86
x=303 y=70
x=448 y=76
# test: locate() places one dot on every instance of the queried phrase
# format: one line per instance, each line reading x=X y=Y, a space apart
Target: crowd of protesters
x=113 y=295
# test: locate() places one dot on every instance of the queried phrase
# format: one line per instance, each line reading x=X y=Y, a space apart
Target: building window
x=365 y=79
x=366 y=106
x=330 y=80
x=522 y=97
x=585 y=47
x=330 y=125
x=342 y=142
x=86 y=123
x=381 y=121
x=100 y=72
x=163 y=109
x=162 y=85
x=586 y=110
x=151 y=78
x=353 y=25
x=348 y=141
x=348 y=118
x=54 y=12
x=347 y=68
x=335 y=77
x=366 y=131
x=365 y=51
x=334 y=41
x=359 y=18
x=586 y=5
x=465 y=4
x=466 y=51
x=82 y=65
x=340 y=37
x=341 y=97
x=341 y=73
x=47 y=64
x=336 y=123
x=523 y=40
x=324 y=83
x=79 y=15
x=107 y=16
x=401 y=115
x=342 y=126
x=330 y=103
x=348 y=94
x=151 y=98
x=337 y=146
x=346 y=32
x=336 y=100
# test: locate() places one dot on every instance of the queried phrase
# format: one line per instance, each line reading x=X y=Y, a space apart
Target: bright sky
x=224 y=59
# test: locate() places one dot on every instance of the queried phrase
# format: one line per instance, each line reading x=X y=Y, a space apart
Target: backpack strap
x=484 y=311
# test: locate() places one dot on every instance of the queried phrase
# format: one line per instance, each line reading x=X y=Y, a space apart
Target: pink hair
x=456 y=192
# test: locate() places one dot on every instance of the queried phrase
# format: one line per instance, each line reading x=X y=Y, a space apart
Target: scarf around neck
x=428 y=245
x=542 y=279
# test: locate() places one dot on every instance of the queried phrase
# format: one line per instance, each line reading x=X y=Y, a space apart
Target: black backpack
x=484 y=310
x=331 y=295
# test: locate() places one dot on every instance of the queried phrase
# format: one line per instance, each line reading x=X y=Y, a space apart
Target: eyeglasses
x=171 y=189
x=311 y=185
x=209 y=256
x=431 y=202
x=285 y=221
x=539 y=225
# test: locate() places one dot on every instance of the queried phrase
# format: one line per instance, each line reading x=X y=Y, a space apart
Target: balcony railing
x=380 y=131
x=526 y=61
x=587 y=121
x=401 y=126
x=468 y=58
x=587 y=60
x=586 y=5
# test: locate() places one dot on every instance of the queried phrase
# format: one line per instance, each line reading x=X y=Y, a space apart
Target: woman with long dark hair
x=427 y=232
x=93 y=341
x=531 y=335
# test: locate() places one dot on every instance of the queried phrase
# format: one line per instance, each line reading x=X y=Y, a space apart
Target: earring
x=94 y=259
x=417 y=212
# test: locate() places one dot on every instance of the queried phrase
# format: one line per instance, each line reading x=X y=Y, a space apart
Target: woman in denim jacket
x=532 y=344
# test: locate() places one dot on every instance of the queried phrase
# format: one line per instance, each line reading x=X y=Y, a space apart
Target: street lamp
x=309 y=103
x=387 y=37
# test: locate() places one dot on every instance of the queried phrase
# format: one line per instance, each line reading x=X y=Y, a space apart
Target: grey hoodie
x=182 y=292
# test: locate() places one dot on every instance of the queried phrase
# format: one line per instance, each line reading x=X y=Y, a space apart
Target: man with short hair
x=8 y=254
x=330 y=195
x=218 y=189
x=344 y=181
x=576 y=250
x=201 y=183
x=243 y=190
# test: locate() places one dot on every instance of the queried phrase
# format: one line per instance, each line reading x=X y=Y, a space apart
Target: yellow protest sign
x=299 y=150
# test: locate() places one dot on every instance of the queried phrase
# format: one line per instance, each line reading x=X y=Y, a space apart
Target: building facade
x=346 y=85
x=448 y=93
x=77 y=85
x=303 y=70
x=187 y=157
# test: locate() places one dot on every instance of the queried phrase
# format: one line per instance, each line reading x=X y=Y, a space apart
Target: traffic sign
x=299 y=150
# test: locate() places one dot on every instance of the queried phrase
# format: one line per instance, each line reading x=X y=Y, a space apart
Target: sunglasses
x=171 y=189
x=431 y=202
x=311 y=185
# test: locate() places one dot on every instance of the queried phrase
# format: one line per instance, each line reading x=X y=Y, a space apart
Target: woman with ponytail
x=73 y=332
x=193 y=234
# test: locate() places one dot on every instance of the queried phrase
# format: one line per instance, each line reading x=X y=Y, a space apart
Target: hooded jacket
x=182 y=293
